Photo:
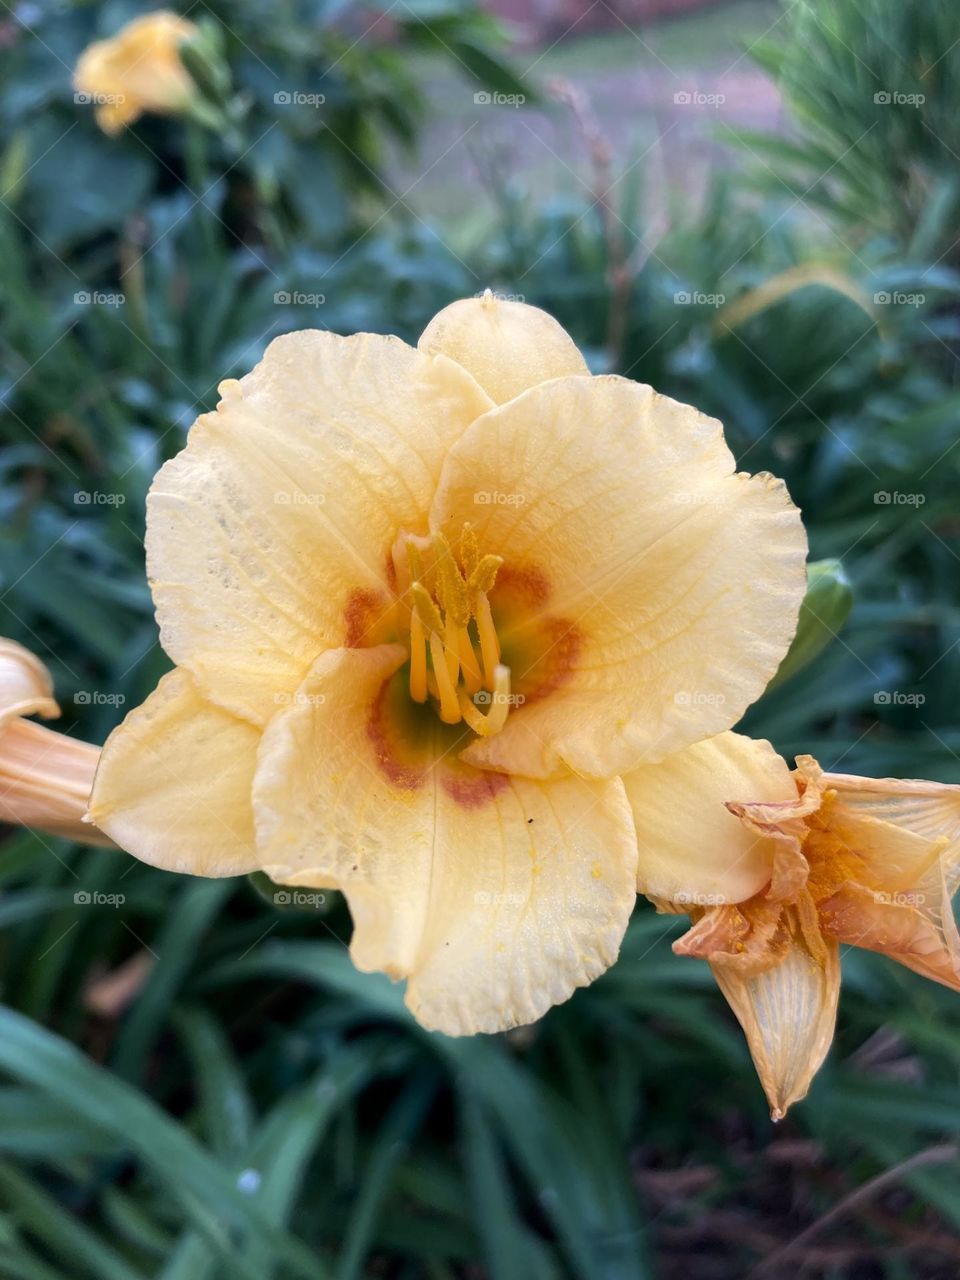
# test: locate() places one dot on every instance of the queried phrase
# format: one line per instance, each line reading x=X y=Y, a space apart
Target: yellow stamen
x=418 y=659
x=428 y=612
x=452 y=590
x=475 y=719
x=483 y=577
x=499 y=701
x=451 y=647
x=455 y=675
x=449 y=703
x=469 y=550
x=489 y=642
x=472 y=676
x=414 y=562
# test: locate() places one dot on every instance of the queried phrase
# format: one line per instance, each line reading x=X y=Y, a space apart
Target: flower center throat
x=454 y=647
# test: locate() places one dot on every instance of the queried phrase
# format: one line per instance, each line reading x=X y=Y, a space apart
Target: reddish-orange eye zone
x=413 y=747
x=541 y=648
x=482 y=643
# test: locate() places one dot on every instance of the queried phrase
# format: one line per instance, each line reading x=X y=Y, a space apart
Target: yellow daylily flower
x=425 y=606
x=45 y=777
x=137 y=70
x=778 y=869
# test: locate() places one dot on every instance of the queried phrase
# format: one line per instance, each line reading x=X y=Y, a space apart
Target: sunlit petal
x=648 y=593
x=508 y=346
x=174 y=781
x=692 y=849
x=269 y=536
x=494 y=896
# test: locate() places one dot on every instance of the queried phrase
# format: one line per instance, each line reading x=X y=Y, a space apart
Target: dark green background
x=262 y=1110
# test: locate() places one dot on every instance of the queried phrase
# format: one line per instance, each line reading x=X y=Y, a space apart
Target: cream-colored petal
x=173 y=786
x=45 y=781
x=268 y=537
x=507 y=346
x=652 y=592
x=25 y=685
x=692 y=850
x=494 y=896
x=788 y=1013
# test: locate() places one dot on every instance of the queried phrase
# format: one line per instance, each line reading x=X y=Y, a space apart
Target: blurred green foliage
x=891 y=171
x=261 y=1109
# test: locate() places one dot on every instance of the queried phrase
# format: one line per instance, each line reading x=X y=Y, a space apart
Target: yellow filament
x=418 y=659
x=487 y=725
x=475 y=719
x=449 y=703
x=472 y=676
x=441 y=619
x=489 y=643
x=451 y=647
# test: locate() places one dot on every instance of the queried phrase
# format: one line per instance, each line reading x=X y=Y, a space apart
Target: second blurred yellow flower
x=137 y=70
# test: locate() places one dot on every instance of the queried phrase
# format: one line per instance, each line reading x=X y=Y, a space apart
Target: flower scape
x=461 y=631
